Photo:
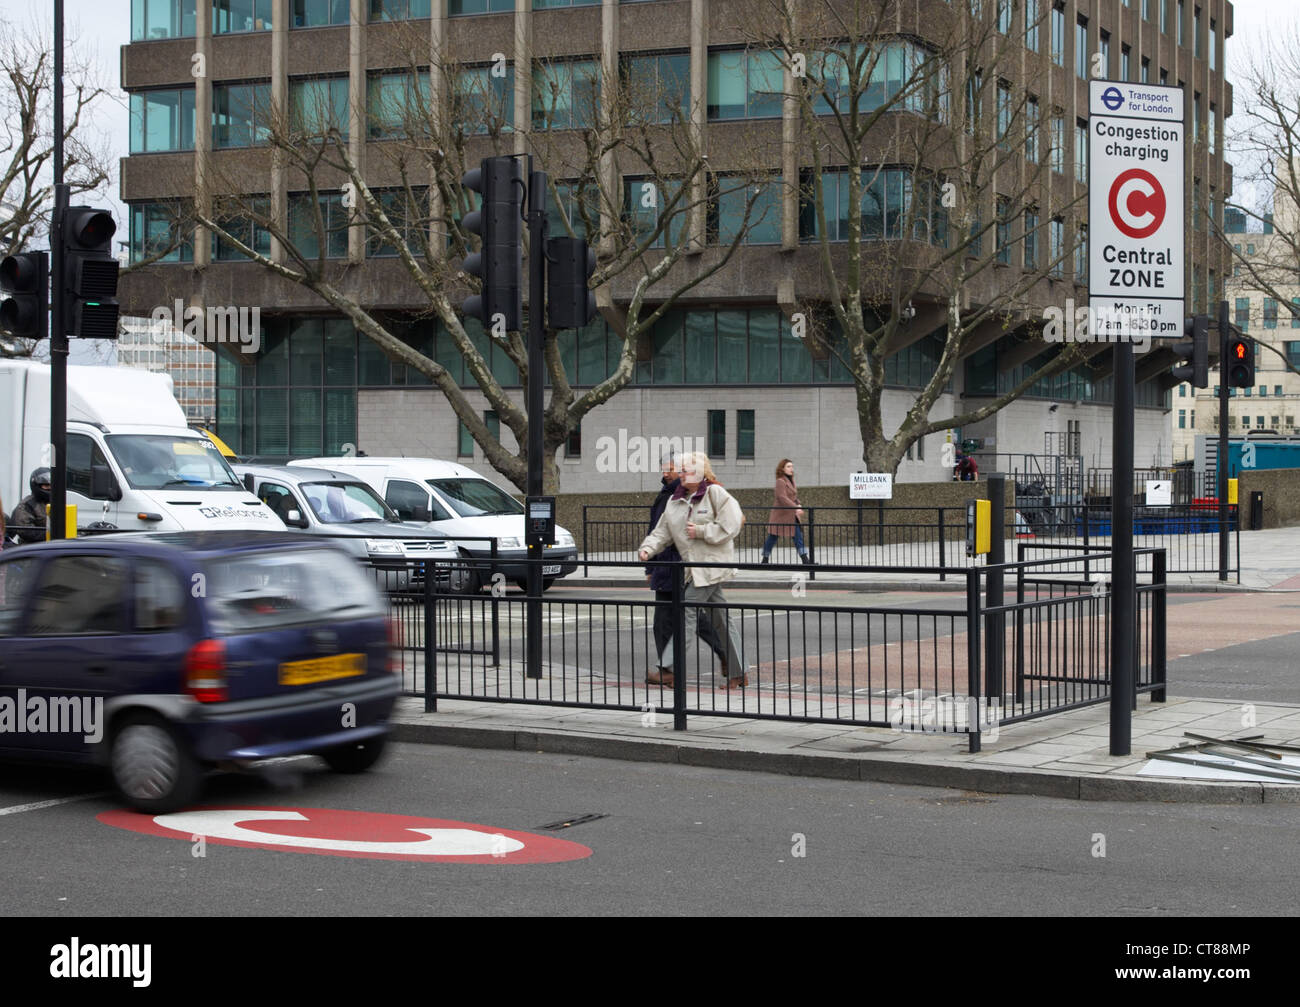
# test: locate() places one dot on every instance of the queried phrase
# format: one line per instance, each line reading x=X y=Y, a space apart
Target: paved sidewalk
x=1270 y=561
x=1063 y=755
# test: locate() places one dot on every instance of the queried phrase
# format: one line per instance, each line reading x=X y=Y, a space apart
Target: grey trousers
x=726 y=626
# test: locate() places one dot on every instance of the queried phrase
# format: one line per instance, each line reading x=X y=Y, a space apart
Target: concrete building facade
x=317 y=386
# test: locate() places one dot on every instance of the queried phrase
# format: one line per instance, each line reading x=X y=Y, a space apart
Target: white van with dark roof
x=461 y=504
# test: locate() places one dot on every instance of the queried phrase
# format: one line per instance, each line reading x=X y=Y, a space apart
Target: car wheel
x=522 y=583
x=472 y=578
x=356 y=757
x=152 y=767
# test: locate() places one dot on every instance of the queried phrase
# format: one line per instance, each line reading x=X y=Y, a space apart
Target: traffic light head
x=499 y=261
x=1194 y=351
x=570 y=304
x=23 y=278
x=89 y=274
x=1240 y=364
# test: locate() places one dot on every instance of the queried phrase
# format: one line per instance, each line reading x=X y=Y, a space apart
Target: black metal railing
x=963 y=662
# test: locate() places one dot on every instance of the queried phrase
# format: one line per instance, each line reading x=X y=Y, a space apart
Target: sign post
x=1135 y=294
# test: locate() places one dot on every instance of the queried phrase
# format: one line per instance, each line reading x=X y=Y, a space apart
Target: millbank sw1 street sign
x=1135 y=211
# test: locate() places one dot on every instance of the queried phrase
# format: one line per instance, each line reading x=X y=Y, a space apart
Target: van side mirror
x=249 y=482
x=102 y=484
x=294 y=519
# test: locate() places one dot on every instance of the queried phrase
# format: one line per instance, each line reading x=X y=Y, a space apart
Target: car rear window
x=271 y=588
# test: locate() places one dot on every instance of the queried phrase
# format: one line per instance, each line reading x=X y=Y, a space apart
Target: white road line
x=18 y=809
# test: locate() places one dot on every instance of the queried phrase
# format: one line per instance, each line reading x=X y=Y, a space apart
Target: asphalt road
x=673 y=840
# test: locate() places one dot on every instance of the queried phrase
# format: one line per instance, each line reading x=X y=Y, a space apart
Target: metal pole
x=995 y=624
x=430 y=643
x=1224 y=325
x=536 y=379
x=973 y=653
x=679 y=645
x=1123 y=586
x=58 y=325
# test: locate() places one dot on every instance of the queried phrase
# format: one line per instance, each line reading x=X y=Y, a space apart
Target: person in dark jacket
x=27 y=522
x=660 y=579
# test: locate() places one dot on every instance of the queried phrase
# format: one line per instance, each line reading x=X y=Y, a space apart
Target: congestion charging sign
x=1135 y=211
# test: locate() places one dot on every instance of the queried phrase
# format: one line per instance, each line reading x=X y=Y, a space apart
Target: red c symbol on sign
x=1137 y=203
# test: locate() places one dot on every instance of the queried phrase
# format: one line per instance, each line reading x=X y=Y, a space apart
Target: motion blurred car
x=163 y=656
x=332 y=504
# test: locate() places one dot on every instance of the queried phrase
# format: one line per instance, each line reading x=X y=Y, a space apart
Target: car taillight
x=205 y=672
x=394 y=644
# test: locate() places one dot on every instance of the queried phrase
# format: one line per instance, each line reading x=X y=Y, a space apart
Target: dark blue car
x=163 y=656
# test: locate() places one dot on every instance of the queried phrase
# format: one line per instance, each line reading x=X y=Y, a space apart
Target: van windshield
x=346 y=503
x=161 y=461
x=475 y=497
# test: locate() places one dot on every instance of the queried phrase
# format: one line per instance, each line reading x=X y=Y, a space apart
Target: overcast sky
x=102 y=27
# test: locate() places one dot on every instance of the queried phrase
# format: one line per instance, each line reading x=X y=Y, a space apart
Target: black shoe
x=765 y=561
x=805 y=559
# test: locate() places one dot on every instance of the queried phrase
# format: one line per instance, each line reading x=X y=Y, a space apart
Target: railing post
x=1020 y=626
x=679 y=647
x=943 y=552
x=995 y=643
x=430 y=645
x=585 y=571
x=973 y=653
x=1087 y=567
x=1159 y=625
x=859 y=524
x=812 y=549
x=496 y=610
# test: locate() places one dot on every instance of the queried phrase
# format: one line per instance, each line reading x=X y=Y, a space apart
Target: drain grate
x=568 y=823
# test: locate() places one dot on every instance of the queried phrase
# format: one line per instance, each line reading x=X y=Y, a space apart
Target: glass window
x=647 y=202
x=745 y=85
x=717 y=433
x=658 y=87
x=409 y=499
x=158 y=19
x=890 y=69
x=764 y=347
x=733 y=347
x=407 y=212
x=79 y=595
x=484 y=100
x=1031 y=129
x=1146 y=71
x=241 y=115
x=305 y=231
x=160 y=229
x=1125 y=63
x=241 y=15
x=1081 y=256
x=566 y=95
x=890 y=199
x=551 y=4
x=248 y=225
x=1004 y=113
x=750 y=211
x=162 y=121
x=573 y=443
x=1270 y=313
x=1243 y=313
x=313 y=13
x=319 y=105
x=668 y=357
x=1181 y=19
x=1081 y=48
x=1031 y=239
x=458 y=7
x=404 y=10
x=397 y=104
x=1214 y=43
x=1004 y=231
x=16 y=581
x=1104 y=48
x=159 y=597
x=471 y=497
x=575 y=204
x=1032 y=17
x=1081 y=151
x=83 y=455
x=1056 y=235
x=744 y=433
x=1058 y=33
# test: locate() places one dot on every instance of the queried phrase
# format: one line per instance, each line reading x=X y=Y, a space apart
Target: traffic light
x=570 y=304
x=1195 y=352
x=24 y=279
x=89 y=274
x=1241 y=361
x=499 y=262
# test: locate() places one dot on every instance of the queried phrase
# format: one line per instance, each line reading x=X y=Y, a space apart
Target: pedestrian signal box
x=539 y=527
x=979 y=539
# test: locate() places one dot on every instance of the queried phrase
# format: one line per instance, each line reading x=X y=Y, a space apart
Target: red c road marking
x=365 y=834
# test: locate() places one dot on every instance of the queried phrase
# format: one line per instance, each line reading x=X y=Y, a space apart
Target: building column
x=439 y=101
x=357 y=123
x=202 y=136
x=522 y=60
x=699 y=110
x=789 y=143
x=279 y=122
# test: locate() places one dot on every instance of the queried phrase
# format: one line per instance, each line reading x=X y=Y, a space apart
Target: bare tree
x=435 y=121
x=946 y=155
x=1266 y=140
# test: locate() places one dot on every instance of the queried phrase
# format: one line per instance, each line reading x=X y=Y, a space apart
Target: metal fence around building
x=964 y=662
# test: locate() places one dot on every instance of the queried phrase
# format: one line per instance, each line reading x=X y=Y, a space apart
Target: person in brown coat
x=786 y=518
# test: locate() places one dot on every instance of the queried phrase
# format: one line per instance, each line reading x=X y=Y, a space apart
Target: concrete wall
x=1281 y=489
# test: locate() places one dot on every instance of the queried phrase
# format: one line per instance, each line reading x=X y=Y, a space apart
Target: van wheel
x=356 y=757
x=471 y=576
x=152 y=766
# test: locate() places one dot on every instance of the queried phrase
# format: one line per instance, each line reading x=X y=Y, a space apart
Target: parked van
x=131 y=459
x=460 y=503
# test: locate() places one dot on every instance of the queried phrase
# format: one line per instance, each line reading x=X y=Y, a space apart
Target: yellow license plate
x=322 y=669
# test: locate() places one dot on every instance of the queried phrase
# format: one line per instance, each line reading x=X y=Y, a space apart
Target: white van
x=457 y=502
x=131 y=459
